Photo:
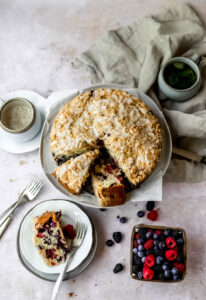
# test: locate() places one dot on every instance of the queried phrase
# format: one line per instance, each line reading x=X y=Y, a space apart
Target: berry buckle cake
x=158 y=253
x=48 y=237
x=109 y=120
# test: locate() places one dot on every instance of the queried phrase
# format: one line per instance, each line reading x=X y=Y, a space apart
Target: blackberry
x=161 y=238
x=109 y=243
x=157 y=268
x=159 y=252
x=135 y=269
x=162 y=276
x=148 y=252
x=142 y=232
x=117 y=236
x=180 y=258
x=175 y=233
x=118 y=268
x=150 y=205
x=137 y=260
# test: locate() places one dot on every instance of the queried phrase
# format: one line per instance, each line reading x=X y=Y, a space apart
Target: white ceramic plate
x=48 y=164
x=71 y=213
x=15 y=147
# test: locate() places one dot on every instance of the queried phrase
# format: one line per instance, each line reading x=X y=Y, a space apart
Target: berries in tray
x=158 y=253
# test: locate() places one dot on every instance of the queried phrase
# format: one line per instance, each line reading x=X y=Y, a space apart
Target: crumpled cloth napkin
x=133 y=56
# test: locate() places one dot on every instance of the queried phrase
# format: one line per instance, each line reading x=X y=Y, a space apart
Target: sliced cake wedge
x=48 y=237
x=73 y=174
x=108 y=184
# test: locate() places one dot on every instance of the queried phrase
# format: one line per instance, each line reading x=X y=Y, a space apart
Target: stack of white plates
x=29 y=255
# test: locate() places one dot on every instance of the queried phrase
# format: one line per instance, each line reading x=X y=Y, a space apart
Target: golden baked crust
x=48 y=237
x=73 y=174
x=107 y=185
x=117 y=119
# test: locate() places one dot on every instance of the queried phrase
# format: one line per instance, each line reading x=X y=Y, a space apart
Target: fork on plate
x=28 y=194
x=80 y=230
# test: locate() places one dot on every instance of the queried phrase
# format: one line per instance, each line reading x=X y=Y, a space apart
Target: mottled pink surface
x=37 y=41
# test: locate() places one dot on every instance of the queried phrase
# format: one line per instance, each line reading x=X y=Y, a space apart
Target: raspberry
x=171 y=254
x=150 y=260
x=148 y=244
x=180 y=267
x=158 y=232
x=109 y=169
x=137 y=235
x=170 y=242
x=40 y=235
x=69 y=231
x=135 y=244
x=152 y=215
x=148 y=274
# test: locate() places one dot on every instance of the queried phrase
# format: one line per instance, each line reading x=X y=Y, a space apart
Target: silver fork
x=80 y=231
x=28 y=194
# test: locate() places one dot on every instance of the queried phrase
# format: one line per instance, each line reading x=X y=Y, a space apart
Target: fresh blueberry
x=180 y=241
x=135 y=250
x=140 y=253
x=150 y=205
x=155 y=247
x=174 y=271
x=140 y=213
x=162 y=245
x=109 y=243
x=155 y=236
x=156 y=243
x=148 y=235
x=167 y=273
x=140 y=275
x=167 y=232
x=165 y=267
x=140 y=247
x=159 y=260
x=140 y=241
x=123 y=220
x=176 y=277
x=143 y=259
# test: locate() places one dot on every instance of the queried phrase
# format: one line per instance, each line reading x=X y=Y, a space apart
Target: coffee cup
x=167 y=91
x=19 y=119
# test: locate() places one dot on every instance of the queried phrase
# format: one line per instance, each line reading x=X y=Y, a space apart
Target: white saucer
x=39 y=102
x=71 y=213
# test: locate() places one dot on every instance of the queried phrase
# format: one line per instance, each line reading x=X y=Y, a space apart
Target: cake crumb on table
x=71 y=294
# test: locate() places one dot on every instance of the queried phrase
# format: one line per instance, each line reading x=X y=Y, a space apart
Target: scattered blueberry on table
x=109 y=243
x=123 y=220
x=140 y=213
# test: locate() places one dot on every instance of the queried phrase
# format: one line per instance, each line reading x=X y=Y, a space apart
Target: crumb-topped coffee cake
x=111 y=119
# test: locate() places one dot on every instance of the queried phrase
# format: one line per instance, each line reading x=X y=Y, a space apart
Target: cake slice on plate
x=48 y=237
x=73 y=174
x=108 y=184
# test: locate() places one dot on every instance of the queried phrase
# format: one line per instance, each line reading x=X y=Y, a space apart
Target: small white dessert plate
x=22 y=147
x=71 y=213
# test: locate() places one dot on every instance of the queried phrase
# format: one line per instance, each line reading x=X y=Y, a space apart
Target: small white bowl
x=175 y=94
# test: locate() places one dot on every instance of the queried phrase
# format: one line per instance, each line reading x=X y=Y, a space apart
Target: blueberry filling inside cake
x=48 y=237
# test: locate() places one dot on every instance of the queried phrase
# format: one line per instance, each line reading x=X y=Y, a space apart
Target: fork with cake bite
x=80 y=233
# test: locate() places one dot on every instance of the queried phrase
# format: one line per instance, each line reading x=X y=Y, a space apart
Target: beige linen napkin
x=133 y=56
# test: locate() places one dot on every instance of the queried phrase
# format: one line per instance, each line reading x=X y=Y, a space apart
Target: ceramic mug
x=166 y=91
x=19 y=131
